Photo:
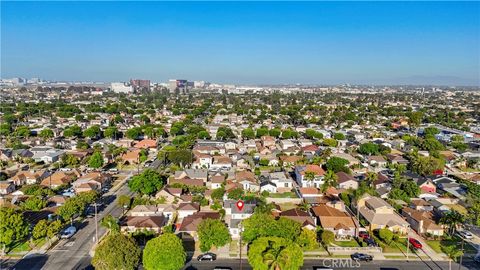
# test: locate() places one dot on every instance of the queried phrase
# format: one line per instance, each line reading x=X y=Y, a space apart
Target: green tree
x=329 y=180
x=148 y=182
x=133 y=133
x=70 y=160
x=235 y=194
x=124 y=201
x=337 y=164
x=117 y=251
x=307 y=239
x=212 y=232
x=451 y=219
x=22 y=131
x=13 y=227
x=339 y=136
x=275 y=132
x=73 y=131
x=330 y=142
x=54 y=227
x=275 y=253
x=217 y=194
x=96 y=160
x=46 y=134
x=111 y=132
x=40 y=229
x=92 y=132
x=386 y=235
x=110 y=223
x=368 y=149
x=262 y=131
x=327 y=237
x=164 y=252
x=203 y=135
x=248 y=133
x=34 y=203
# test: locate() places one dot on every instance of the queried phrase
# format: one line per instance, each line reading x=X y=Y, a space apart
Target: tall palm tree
x=329 y=180
x=370 y=178
x=309 y=176
x=274 y=258
x=452 y=219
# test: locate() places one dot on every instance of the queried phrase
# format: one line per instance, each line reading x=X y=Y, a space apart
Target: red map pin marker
x=240 y=205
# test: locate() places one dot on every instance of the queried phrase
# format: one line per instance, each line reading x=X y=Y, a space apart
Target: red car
x=415 y=243
x=363 y=235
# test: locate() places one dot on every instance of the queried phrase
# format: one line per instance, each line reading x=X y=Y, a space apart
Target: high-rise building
x=138 y=84
x=120 y=87
x=180 y=85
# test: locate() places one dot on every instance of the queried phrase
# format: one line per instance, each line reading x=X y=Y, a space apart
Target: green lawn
x=436 y=245
x=396 y=247
x=283 y=195
x=351 y=243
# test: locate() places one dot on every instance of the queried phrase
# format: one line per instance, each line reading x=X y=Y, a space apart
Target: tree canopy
x=275 y=253
x=164 y=252
x=213 y=232
x=147 y=183
x=116 y=251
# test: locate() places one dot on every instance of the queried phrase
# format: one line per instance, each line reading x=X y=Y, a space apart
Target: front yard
x=283 y=195
x=350 y=243
x=436 y=245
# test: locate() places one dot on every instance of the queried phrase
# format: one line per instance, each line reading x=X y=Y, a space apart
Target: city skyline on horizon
x=244 y=43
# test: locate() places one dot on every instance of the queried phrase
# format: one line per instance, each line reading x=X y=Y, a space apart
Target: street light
x=408 y=240
x=240 y=227
x=461 y=257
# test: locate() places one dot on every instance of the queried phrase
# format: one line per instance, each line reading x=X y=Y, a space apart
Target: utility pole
x=240 y=228
x=96 y=224
x=408 y=241
x=461 y=257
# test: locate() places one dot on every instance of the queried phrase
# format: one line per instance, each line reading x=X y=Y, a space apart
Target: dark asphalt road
x=340 y=264
x=73 y=253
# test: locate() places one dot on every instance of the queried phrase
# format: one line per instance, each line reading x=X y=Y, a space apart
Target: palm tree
x=452 y=219
x=309 y=176
x=329 y=180
x=274 y=258
x=370 y=178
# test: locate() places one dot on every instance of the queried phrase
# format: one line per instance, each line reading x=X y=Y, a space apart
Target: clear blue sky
x=246 y=43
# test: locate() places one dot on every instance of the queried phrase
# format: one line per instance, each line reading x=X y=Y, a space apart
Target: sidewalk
x=43 y=249
x=426 y=249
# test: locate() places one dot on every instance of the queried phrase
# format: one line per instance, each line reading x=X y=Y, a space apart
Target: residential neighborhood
x=239 y=135
x=353 y=180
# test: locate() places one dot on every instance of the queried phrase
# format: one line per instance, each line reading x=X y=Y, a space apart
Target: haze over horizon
x=435 y=43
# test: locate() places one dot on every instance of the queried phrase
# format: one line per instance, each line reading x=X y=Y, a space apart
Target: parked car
x=363 y=234
x=361 y=257
x=415 y=243
x=207 y=257
x=68 y=232
x=222 y=268
x=477 y=259
x=465 y=234
x=371 y=243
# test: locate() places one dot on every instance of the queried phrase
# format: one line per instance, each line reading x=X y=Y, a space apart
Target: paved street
x=73 y=253
x=340 y=264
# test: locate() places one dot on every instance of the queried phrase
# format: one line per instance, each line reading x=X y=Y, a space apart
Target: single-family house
x=339 y=222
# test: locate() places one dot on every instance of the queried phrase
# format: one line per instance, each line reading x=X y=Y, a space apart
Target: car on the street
x=363 y=234
x=222 y=268
x=465 y=234
x=370 y=242
x=68 y=232
x=477 y=259
x=415 y=243
x=207 y=257
x=361 y=257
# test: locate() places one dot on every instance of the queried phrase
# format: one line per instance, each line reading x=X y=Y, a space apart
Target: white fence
x=350 y=250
